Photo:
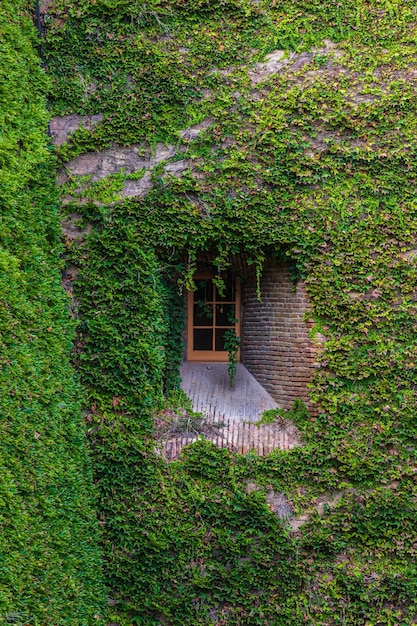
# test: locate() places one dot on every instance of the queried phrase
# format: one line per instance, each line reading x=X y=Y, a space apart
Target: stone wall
x=276 y=347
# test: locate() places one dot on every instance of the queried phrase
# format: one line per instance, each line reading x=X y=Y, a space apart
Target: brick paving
x=230 y=413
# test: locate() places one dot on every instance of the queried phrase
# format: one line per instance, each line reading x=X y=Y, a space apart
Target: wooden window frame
x=208 y=355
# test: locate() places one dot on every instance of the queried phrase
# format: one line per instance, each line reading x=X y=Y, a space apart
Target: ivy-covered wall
x=50 y=567
x=266 y=128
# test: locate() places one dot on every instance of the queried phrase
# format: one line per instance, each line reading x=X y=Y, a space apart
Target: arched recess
x=275 y=345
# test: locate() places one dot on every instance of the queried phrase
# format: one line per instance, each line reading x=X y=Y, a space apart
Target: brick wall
x=276 y=347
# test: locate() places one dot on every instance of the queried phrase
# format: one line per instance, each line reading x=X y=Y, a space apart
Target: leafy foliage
x=298 y=414
x=50 y=565
x=316 y=162
x=232 y=345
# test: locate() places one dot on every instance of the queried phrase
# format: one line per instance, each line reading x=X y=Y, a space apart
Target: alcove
x=275 y=344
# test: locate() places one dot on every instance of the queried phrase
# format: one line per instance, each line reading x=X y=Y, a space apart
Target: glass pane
x=203 y=339
x=228 y=294
x=220 y=332
x=225 y=314
x=203 y=315
x=204 y=291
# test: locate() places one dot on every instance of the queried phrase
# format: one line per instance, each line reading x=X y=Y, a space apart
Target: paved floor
x=207 y=384
x=231 y=413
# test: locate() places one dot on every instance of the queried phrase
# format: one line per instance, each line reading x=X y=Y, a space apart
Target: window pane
x=220 y=332
x=204 y=291
x=203 y=315
x=225 y=314
x=203 y=339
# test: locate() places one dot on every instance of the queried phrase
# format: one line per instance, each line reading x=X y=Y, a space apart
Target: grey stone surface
x=275 y=62
x=137 y=188
x=272 y=64
x=279 y=503
x=193 y=131
x=72 y=229
x=131 y=159
x=63 y=126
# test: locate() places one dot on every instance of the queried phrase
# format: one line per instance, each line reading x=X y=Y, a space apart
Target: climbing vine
x=50 y=561
x=232 y=345
x=308 y=153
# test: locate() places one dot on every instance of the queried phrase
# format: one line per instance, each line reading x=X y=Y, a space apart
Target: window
x=211 y=313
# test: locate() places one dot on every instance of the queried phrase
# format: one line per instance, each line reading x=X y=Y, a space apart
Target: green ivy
x=50 y=563
x=316 y=164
